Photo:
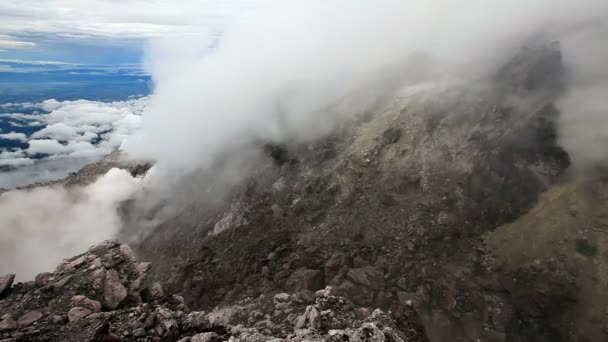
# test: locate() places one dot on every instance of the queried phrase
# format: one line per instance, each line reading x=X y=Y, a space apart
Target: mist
x=42 y=226
x=291 y=71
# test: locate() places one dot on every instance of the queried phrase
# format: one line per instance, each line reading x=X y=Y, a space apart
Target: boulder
x=8 y=324
x=304 y=279
x=77 y=313
x=82 y=301
x=114 y=291
x=29 y=318
x=6 y=281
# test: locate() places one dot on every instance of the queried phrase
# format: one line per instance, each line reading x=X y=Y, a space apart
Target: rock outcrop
x=66 y=305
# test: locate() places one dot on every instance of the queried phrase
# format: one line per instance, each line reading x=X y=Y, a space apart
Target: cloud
x=584 y=121
x=8 y=42
x=118 y=19
x=45 y=147
x=81 y=130
x=42 y=226
x=294 y=70
x=57 y=131
x=12 y=154
x=16 y=162
x=14 y=136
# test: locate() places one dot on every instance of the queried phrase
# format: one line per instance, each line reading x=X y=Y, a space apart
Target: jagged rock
x=114 y=291
x=6 y=281
x=82 y=301
x=29 y=318
x=43 y=279
x=77 y=313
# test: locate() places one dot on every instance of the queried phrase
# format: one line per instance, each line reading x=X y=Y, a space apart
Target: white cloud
x=125 y=19
x=16 y=162
x=58 y=131
x=45 y=146
x=42 y=226
x=12 y=154
x=8 y=42
x=14 y=136
x=280 y=75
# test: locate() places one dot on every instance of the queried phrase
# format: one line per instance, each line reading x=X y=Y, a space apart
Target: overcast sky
x=107 y=31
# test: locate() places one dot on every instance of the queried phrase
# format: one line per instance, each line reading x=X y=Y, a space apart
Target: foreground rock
x=86 y=299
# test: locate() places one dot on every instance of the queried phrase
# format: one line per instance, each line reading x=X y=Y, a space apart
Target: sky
x=106 y=31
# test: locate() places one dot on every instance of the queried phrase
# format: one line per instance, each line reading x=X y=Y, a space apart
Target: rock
x=43 y=279
x=6 y=281
x=383 y=299
x=82 y=301
x=157 y=291
x=281 y=298
x=586 y=247
x=59 y=284
x=305 y=297
x=416 y=300
x=204 y=337
x=114 y=291
x=304 y=279
x=368 y=276
x=58 y=319
x=335 y=263
x=139 y=332
x=8 y=324
x=369 y=332
x=77 y=313
x=127 y=252
x=29 y=318
x=76 y=263
x=299 y=187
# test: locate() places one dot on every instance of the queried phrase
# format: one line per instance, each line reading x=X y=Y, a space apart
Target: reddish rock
x=82 y=301
x=29 y=318
x=77 y=313
x=114 y=291
x=8 y=324
x=43 y=279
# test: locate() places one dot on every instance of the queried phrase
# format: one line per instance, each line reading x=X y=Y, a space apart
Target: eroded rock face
x=73 y=312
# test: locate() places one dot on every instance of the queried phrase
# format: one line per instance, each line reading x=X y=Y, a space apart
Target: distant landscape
x=30 y=91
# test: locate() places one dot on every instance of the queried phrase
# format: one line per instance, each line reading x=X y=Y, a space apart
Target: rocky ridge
x=101 y=296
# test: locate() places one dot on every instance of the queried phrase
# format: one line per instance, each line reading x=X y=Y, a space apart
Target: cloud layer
x=74 y=132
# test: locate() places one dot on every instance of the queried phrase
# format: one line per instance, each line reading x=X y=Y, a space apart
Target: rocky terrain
x=100 y=296
x=446 y=215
